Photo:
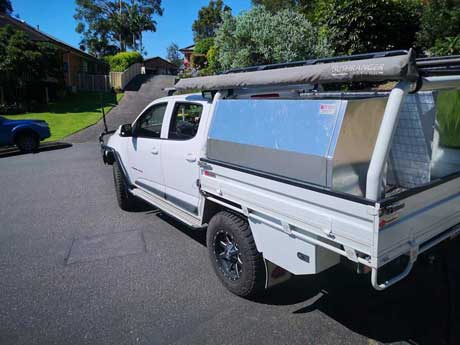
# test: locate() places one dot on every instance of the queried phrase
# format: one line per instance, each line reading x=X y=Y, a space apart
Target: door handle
x=190 y=158
x=154 y=151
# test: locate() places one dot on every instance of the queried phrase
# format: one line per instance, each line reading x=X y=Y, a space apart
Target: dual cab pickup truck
x=286 y=178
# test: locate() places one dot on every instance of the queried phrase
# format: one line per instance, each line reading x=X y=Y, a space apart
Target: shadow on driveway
x=13 y=151
x=423 y=309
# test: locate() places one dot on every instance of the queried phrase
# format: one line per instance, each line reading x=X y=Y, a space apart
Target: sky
x=55 y=17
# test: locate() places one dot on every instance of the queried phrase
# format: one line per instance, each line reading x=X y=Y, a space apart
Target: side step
x=168 y=208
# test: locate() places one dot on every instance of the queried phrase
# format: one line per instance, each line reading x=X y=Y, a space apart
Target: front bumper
x=45 y=134
x=108 y=154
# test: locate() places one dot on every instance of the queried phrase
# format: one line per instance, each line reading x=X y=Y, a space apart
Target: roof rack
x=316 y=61
x=440 y=65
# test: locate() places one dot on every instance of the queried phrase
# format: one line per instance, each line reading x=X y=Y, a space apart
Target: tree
x=104 y=23
x=6 y=7
x=173 y=54
x=306 y=7
x=359 y=26
x=24 y=62
x=275 y=5
x=203 y=46
x=209 y=19
x=260 y=37
x=440 y=19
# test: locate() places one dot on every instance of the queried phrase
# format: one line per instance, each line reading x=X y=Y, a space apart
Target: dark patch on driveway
x=106 y=246
x=14 y=151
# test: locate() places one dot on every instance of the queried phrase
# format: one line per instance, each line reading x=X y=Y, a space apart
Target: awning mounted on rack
x=321 y=71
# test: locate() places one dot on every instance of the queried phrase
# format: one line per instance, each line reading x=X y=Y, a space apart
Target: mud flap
x=275 y=275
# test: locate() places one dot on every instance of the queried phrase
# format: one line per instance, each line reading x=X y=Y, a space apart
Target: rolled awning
x=401 y=67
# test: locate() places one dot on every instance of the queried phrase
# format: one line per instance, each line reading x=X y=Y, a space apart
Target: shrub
x=203 y=46
x=121 y=61
x=213 y=59
x=260 y=37
x=198 y=61
x=446 y=46
x=12 y=109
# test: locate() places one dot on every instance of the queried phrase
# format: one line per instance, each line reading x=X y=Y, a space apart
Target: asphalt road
x=75 y=269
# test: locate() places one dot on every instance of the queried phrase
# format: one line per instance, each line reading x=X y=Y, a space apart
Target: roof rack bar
x=315 y=61
x=440 y=71
x=444 y=57
x=439 y=62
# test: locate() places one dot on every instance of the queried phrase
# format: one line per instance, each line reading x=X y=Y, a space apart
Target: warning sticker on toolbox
x=328 y=109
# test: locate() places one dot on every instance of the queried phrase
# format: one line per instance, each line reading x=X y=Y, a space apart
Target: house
x=187 y=52
x=81 y=70
x=158 y=65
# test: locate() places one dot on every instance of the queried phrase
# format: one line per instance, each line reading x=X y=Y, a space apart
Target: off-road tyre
x=125 y=199
x=251 y=279
x=27 y=142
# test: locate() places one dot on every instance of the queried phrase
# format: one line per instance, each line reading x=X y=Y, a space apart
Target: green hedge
x=121 y=61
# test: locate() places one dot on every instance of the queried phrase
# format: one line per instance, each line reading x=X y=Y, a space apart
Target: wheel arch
x=216 y=204
x=24 y=130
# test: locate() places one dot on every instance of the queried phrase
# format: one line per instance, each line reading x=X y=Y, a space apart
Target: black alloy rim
x=228 y=256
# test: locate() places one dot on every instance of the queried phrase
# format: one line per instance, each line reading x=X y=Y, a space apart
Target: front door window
x=149 y=124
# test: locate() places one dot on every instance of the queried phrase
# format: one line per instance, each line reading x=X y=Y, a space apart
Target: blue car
x=25 y=134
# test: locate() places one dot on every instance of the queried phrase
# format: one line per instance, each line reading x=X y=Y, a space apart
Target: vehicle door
x=144 y=150
x=180 y=154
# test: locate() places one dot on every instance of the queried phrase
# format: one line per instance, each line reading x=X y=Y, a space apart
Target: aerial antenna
x=103 y=112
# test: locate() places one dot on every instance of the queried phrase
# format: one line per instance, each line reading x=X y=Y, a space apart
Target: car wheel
x=234 y=255
x=125 y=199
x=27 y=142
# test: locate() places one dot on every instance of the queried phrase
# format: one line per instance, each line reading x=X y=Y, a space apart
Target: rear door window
x=185 y=121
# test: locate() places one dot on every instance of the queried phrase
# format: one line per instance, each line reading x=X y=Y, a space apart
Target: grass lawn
x=448 y=109
x=72 y=113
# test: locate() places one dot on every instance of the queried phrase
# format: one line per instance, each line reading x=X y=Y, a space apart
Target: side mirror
x=126 y=130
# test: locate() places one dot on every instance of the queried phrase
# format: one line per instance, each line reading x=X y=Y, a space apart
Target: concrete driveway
x=75 y=269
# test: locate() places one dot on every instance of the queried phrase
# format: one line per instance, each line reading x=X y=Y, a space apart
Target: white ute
x=283 y=174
